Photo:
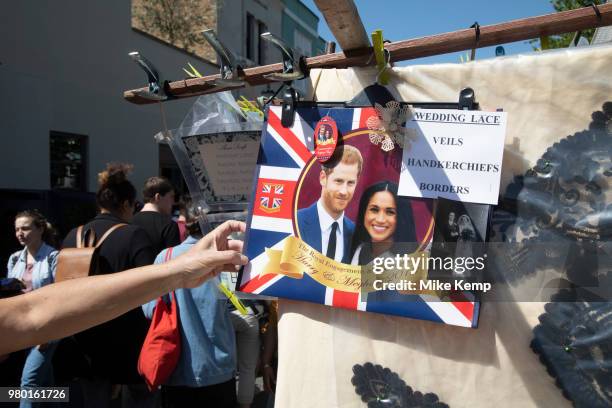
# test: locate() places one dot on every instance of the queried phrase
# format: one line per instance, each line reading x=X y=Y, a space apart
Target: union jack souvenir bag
x=318 y=227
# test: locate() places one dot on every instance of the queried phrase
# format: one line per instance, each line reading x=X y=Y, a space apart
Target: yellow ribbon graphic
x=297 y=258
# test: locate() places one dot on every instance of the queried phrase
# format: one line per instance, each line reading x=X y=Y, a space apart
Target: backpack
x=83 y=260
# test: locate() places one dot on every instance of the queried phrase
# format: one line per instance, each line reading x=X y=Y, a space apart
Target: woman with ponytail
x=35 y=267
x=113 y=348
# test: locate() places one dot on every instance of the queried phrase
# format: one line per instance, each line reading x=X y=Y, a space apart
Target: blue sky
x=407 y=19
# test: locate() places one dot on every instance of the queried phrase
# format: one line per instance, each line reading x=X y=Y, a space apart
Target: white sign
x=455 y=154
x=230 y=166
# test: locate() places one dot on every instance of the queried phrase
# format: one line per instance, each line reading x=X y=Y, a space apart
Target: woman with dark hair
x=384 y=226
x=35 y=267
x=113 y=348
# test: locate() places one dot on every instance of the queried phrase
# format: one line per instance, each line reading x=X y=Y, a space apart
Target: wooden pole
x=517 y=30
x=344 y=22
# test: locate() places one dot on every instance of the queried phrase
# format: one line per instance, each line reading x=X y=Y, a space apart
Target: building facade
x=64 y=66
x=239 y=25
x=300 y=28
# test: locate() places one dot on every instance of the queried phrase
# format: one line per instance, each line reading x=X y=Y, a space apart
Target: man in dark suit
x=323 y=225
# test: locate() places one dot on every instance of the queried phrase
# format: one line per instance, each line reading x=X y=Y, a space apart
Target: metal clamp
x=293 y=69
x=467 y=99
x=596 y=9
x=476 y=28
x=156 y=90
x=232 y=74
x=293 y=64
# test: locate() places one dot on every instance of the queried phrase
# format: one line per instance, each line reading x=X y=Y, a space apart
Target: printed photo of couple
x=460 y=232
x=325 y=134
x=349 y=210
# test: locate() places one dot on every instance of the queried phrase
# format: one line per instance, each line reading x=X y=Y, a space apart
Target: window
x=68 y=161
x=261 y=45
x=302 y=43
x=250 y=40
x=255 y=46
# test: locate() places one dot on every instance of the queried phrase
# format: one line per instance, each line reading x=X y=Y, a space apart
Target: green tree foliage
x=563 y=40
x=179 y=22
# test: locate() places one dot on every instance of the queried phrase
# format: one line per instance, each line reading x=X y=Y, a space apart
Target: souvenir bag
x=290 y=256
x=162 y=346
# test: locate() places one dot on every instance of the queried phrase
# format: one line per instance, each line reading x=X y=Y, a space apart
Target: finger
x=228 y=227
x=204 y=242
x=217 y=238
x=235 y=245
x=229 y=257
x=228 y=268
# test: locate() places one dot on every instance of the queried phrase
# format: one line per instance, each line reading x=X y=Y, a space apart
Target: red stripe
x=462 y=304
x=257 y=282
x=346 y=300
x=168 y=254
x=289 y=137
x=365 y=114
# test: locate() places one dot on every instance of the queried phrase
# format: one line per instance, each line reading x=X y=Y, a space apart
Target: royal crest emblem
x=270 y=199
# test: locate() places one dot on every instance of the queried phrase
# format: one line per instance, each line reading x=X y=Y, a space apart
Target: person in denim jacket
x=204 y=375
x=35 y=267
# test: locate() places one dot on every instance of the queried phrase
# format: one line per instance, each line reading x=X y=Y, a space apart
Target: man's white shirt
x=326 y=221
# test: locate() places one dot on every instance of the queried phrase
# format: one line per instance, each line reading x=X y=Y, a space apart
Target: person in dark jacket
x=155 y=216
x=113 y=348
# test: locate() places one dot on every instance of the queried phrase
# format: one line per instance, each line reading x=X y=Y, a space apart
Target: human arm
x=269 y=349
x=268 y=372
x=67 y=307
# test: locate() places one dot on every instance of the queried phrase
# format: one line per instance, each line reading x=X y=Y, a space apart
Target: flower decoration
x=379 y=387
x=387 y=127
x=602 y=120
x=574 y=342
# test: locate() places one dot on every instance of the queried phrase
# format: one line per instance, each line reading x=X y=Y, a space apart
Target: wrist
x=173 y=276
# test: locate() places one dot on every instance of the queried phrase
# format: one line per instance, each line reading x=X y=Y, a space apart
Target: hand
x=269 y=378
x=211 y=255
